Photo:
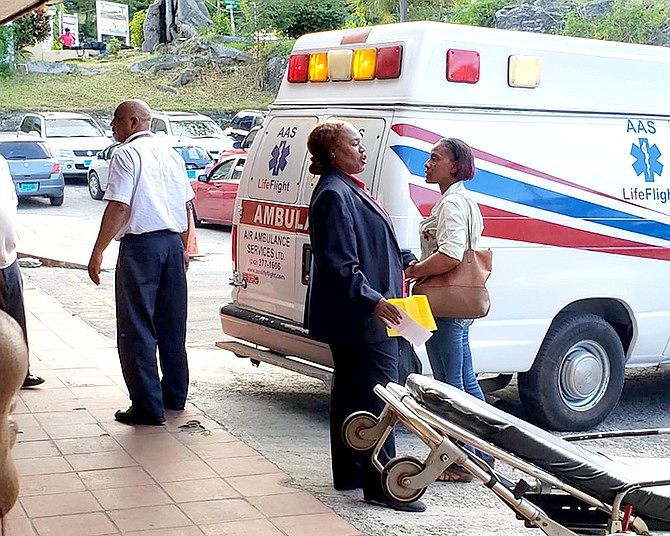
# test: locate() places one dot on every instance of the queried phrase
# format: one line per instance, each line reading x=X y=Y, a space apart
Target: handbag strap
x=469 y=231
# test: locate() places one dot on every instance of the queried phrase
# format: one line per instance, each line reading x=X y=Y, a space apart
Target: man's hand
x=187 y=260
x=387 y=313
x=94 y=267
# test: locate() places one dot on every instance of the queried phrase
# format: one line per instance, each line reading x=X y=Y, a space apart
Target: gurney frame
x=406 y=479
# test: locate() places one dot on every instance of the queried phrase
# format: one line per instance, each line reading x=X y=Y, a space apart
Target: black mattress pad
x=594 y=473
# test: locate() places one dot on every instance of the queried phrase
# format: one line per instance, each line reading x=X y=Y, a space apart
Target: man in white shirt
x=148 y=211
x=11 y=283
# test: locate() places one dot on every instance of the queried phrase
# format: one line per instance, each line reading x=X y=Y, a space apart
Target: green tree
x=137 y=28
x=31 y=28
x=634 y=21
x=476 y=12
x=314 y=16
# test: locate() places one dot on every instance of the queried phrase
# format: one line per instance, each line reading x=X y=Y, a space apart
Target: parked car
x=34 y=169
x=240 y=147
x=195 y=157
x=242 y=123
x=215 y=193
x=195 y=126
x=75 y=138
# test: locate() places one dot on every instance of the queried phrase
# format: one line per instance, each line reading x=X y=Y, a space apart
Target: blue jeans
x=451 y=360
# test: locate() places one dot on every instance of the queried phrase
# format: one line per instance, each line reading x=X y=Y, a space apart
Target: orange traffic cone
x=192 y=244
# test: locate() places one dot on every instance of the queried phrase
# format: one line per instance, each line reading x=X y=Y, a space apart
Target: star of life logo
x=646 y=160
x=279 y=158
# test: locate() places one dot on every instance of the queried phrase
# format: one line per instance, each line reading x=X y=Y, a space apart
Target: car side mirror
x=237 y=145
x=100 y=155
x=202 y=178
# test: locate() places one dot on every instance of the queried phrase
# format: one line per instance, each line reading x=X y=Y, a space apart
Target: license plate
x=87 y=163
x=28 y=187
x=191 y=174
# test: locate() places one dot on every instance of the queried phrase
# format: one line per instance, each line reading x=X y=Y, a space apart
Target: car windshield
x=72 y=128
x=194 y=155
x=196 y=129
x=23 y=150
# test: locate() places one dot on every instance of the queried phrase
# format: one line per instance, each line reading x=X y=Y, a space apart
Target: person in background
x=148 y=211
x=67 y=38
x=443 y=243
x=11 y=282
x=357 y=266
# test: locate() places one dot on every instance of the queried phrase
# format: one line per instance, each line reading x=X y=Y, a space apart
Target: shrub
x=476 y=12
x=113 y=46
x=137 y=28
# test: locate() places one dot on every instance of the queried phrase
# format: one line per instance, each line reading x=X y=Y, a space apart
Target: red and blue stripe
x=518 y=227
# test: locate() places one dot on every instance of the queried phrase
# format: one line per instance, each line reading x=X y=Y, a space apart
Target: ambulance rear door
x=271 y=219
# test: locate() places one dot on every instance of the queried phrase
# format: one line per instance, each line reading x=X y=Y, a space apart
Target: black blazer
x=356 y=262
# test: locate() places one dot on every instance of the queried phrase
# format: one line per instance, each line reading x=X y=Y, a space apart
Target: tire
x=354 y=431
x=94 y=186
x=393 y=475
x=578 y=374
x=56 y=200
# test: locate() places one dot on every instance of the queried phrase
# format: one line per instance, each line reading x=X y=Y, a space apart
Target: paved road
x=285 y=415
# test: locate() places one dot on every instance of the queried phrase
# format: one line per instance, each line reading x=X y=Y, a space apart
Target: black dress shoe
x=32 y=381
x=387 y=502
x=130 y=417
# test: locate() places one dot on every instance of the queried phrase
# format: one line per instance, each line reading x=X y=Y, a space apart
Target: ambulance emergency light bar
x=383 y=63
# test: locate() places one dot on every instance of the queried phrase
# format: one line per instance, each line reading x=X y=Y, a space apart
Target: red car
x=215 y=193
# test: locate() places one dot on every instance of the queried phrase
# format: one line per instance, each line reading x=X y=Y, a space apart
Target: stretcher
x=564 y=489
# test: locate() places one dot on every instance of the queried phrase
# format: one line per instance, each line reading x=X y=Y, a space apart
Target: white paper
x=411 y=330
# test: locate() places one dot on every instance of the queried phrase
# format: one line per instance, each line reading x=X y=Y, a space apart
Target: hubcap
x=584 y=375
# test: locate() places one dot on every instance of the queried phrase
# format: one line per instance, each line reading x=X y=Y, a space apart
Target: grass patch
x=223 y=91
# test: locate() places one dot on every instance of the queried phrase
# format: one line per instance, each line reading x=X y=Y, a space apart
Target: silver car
x=195 y=157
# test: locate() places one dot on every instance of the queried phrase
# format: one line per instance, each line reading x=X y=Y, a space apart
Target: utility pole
x=403 y=10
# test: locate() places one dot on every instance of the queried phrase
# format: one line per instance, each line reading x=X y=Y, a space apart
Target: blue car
x=34 y=169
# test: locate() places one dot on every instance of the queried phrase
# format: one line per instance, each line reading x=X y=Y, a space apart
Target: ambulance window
x=280 y=159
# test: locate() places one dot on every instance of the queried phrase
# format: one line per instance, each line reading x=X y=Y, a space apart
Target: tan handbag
x=461 y=292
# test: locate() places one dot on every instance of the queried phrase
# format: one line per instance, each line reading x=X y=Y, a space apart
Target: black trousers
x=151 y=314
x=358 y=368
x=11 y=296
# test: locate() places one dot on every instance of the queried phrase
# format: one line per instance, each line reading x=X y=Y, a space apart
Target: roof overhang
x=11 y=9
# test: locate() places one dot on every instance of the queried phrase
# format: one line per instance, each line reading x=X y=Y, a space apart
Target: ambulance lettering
x=273 y=216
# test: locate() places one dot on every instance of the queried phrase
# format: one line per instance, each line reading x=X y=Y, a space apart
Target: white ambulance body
x=570 y=137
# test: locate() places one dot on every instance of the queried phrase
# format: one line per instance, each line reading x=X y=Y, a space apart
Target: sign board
x=112 y=20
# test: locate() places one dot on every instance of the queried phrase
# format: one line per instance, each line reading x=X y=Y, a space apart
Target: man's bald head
x=130 y=116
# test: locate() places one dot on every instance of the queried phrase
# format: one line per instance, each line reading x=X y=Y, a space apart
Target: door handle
x=306 y=263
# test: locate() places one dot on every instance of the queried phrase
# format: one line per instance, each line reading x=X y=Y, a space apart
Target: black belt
x=150 y=233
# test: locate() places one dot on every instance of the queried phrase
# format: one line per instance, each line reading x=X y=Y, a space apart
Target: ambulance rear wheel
x=578 y=374
x=356 y=431
x=394 y=479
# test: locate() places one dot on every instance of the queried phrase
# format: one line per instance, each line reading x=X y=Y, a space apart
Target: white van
x=570 y=138
x=200 y=127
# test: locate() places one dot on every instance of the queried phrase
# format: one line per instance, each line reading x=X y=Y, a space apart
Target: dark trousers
x=358 y=368
x=151 y=314
x=11 y=296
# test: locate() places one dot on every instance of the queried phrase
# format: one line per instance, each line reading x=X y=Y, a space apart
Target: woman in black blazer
x=357 y=267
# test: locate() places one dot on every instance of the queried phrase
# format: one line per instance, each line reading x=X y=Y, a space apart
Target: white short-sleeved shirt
x=9 y=237
x=446 y=229
x=147 y=174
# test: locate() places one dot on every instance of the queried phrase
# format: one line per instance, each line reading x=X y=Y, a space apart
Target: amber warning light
x=344 y=64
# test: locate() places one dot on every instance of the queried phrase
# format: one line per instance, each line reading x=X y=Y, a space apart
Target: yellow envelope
x=418 y=308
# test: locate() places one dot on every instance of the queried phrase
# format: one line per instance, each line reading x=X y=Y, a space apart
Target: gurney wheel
x=394 y=475
x=355 y=430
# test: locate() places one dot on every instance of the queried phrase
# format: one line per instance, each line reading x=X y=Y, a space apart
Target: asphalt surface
x=285 y=415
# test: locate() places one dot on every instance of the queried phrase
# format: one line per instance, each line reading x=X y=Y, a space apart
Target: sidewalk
x=84 y=474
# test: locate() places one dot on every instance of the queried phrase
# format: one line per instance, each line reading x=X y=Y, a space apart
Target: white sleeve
x=121 y=182
x=452 y=222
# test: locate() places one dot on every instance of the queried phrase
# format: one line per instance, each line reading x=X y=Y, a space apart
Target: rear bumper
x=281 y=337
x=46 y=187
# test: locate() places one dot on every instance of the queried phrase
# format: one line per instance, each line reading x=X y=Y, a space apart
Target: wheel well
x=612 y=311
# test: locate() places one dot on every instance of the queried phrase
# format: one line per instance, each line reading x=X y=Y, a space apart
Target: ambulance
x=570 y=136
